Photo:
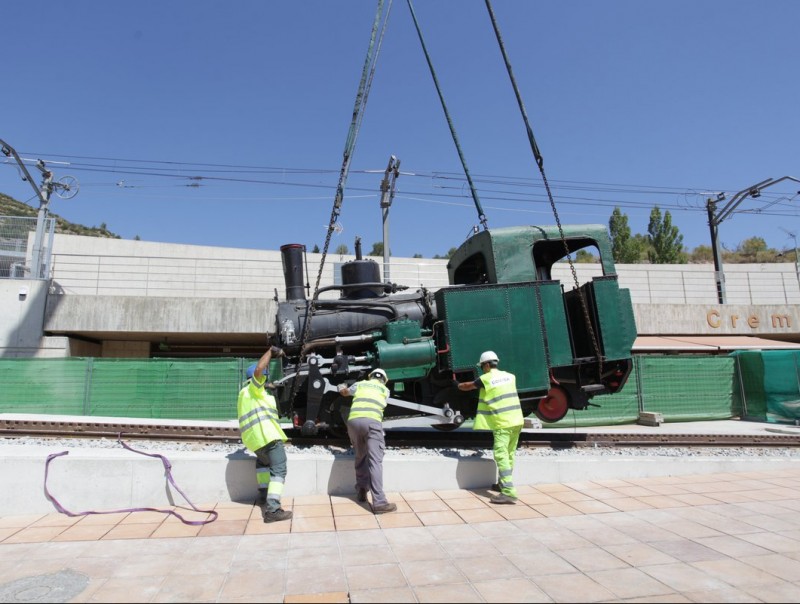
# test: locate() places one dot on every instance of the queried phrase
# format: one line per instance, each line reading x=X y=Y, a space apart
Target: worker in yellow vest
x=499 y=410
x=365 y=427
x=262 y=434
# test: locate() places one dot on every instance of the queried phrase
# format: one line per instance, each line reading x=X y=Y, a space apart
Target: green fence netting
x=681 y=388
x=770 y=384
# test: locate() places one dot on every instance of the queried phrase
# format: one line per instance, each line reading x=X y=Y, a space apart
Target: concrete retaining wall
x=108 y=479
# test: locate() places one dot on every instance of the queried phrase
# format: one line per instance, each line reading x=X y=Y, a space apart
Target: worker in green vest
x=365 y=428
x=262 y=434
x=499 y=410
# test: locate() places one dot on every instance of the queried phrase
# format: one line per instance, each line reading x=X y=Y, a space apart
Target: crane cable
x=540 y=162
x=473 y=191
x=367 y=75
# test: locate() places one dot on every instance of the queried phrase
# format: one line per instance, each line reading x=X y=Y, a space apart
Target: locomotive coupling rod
x=444 y=413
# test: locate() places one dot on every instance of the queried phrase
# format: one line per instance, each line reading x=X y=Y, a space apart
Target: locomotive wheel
x=554 y=406
x=445 y=427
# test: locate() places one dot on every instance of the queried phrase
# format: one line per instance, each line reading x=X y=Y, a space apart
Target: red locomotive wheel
x=554 y=406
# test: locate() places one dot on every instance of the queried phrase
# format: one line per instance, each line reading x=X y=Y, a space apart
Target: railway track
x=131 y=430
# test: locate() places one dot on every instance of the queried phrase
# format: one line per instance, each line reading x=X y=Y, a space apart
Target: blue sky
x=632 y=103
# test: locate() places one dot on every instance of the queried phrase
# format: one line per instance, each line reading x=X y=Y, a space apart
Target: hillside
x=11 y=207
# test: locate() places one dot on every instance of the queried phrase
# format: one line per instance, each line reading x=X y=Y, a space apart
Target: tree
x=584 y=257
x=342 y=250
x=624 y=248
x=702 y=254
x=417 y=256
x=315 y=249
x=448 y=255
x=665 y=240
x=137 y=238
x=377 y=249
x=750 y=250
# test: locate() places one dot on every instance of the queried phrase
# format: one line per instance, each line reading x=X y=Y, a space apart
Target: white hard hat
x=380 y=374
x=487 y=357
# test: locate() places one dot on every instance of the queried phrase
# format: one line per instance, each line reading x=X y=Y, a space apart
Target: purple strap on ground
x=167 y=467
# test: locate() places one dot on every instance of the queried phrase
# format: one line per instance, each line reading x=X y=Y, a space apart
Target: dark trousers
x=272 y=456
x=366 y=435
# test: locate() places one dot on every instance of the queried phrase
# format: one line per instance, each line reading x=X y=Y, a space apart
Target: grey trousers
x=366 y=435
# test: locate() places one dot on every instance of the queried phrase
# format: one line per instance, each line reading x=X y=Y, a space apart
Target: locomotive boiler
x=565 y=342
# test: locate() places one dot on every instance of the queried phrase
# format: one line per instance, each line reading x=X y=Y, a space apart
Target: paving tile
x=19 y=521
x=694 y=499
x=628 y=583
x=202 y=588
x=422 y=572
x=480 y=515
x=574 y=587
x=683 y=577
x=428 y=505
x=259 y=527
x=324 y=579
x=34 y=534
x=466 y=503
x=458 y=592
x=167 y=531
x=56 y=520
x=237 y=513
x=398 y=520
x=334 y=596
x=303 y=500
x=778 y=565
x=351 y=509
x=361 y=538
x=437 y=518
x=732 y=546
x=559 y=539
x=419 y=495
x=129 y=589
x=112 y=519
x=471 y=547
x=312 y=525
x=324 y=555
x=130 y=531
x=78 y=532
x=516 y=512
x=639 y=554
x=728 y=594
x=587 y=559
x=487 y=567
x=365 y=555
x=391 y=594
x=773 y=542
x=592 y=507
x=356 y=523
x=568 y=496
x=633 y=491
x=7 y=532
x=554 y=509
x=733 y=572
x=776 y=592
x=312 y=511
x=223 y=527
x=375 y=576
x=145 y=517
x=540 y=563
x=661 y=501
x=251 y=584
x=536 y=498
x=450 y=494
x=407 y=552
x=453 y=532
x=626 y=504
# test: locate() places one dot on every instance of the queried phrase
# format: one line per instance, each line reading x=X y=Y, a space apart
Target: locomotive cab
x=578 y=336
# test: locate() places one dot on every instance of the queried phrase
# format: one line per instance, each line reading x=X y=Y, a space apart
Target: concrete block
x=650 y=419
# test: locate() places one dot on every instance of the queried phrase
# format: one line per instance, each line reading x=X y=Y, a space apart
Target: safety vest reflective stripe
x=491 y=401
x=258 y=415
x=275 y=489
x=497 y=411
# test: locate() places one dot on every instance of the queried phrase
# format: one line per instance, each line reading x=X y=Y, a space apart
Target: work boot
x=361 y=497
x=384 y=508
x=501 y=498
x=277 y=515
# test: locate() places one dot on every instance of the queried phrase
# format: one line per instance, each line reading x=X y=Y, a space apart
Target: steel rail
x=398 y=438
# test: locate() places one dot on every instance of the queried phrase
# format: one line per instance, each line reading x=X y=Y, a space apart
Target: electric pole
x=387 y=195
x=66 y=188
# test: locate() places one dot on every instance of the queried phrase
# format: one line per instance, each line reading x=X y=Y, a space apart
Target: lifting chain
x=367 y=74
x=540 y=163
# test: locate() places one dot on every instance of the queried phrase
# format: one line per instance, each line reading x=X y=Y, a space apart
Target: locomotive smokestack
x=358 y=248
x=292 y=255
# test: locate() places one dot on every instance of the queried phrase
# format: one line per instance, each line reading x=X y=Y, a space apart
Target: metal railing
x=15 y=254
